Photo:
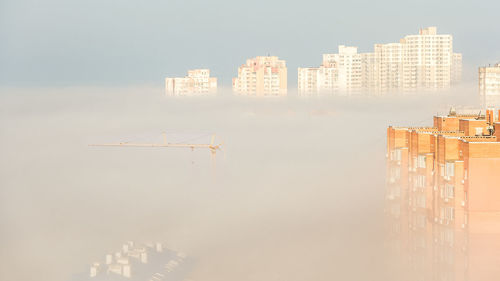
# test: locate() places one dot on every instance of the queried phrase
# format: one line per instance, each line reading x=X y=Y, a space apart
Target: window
x=450 y=169
x=449 y=191
x=479 y=131
x=420 y=181
x=450 y=213
x=421 y=161
x=447 y=213
x=396 y=155
x=396 y=173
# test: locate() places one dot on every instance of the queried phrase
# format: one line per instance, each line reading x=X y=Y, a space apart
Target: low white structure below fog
x=149 y=261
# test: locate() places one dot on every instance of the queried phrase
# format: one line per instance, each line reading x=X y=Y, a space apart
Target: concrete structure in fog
x=348 y=63
x=385 y=72
x=150 y=261
x=197 y=82
x=489 y=80
x=339 y=73
x=456 y=68
x=429 y=60
x=489 y=85
x=309 y=79
x=262 y=76
x=425 y=61
x=443 y=199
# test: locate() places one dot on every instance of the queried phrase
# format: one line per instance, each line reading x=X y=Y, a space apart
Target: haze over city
x=286 y=200
x=224 y=181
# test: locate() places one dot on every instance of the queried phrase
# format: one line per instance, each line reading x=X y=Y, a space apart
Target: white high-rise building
x=456 y=71
x=309 y=80
x=427 y=60
x=197 y=82
x=389 y=63
x=489 y=85
x=349 y=69
x=370 y=72
x=323 y=79
x=418 y=62
x=262 y=76
x=339 y=73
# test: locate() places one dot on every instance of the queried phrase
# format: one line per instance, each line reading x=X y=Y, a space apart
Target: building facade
x=424 y=61
x=197 y=82
x=443 y=201
x=309 y=79
x=261 y=76
x=456 y=71
x=349 y=69
x=388 y=65
x=338 y=73
x=489 y=85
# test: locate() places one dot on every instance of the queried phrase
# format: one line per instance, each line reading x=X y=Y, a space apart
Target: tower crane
x=211 y=146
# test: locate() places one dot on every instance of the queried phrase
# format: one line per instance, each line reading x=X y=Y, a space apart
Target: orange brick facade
x=443 y=197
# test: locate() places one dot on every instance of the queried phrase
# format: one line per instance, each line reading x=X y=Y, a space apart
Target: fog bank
x=297 y=193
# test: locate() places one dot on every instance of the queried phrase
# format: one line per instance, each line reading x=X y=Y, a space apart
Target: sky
x=56 y=43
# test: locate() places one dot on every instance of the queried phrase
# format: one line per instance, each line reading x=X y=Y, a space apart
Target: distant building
x=489 y=84
x=262 y=76
x=197 y=82
x=387 y=69
x=339 y=72
x=425 y=61
x=428 y=60
x=456 y=71
x=349 y=69
x=369 y=72
x=309 y=79
x=150 y=261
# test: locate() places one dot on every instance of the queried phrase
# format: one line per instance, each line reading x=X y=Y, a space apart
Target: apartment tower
x=422 y=62
x=339 y=73
x=489 y=84
x=443 y=201
x=428 y=60
x=197 y=82
x=262 y=76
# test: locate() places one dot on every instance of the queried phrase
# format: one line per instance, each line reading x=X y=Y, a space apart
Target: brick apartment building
x=443 y=196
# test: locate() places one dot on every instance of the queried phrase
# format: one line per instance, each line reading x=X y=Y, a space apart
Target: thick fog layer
x=297 y=193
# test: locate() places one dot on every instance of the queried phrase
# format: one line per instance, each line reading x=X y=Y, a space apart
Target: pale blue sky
x=122 y=42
